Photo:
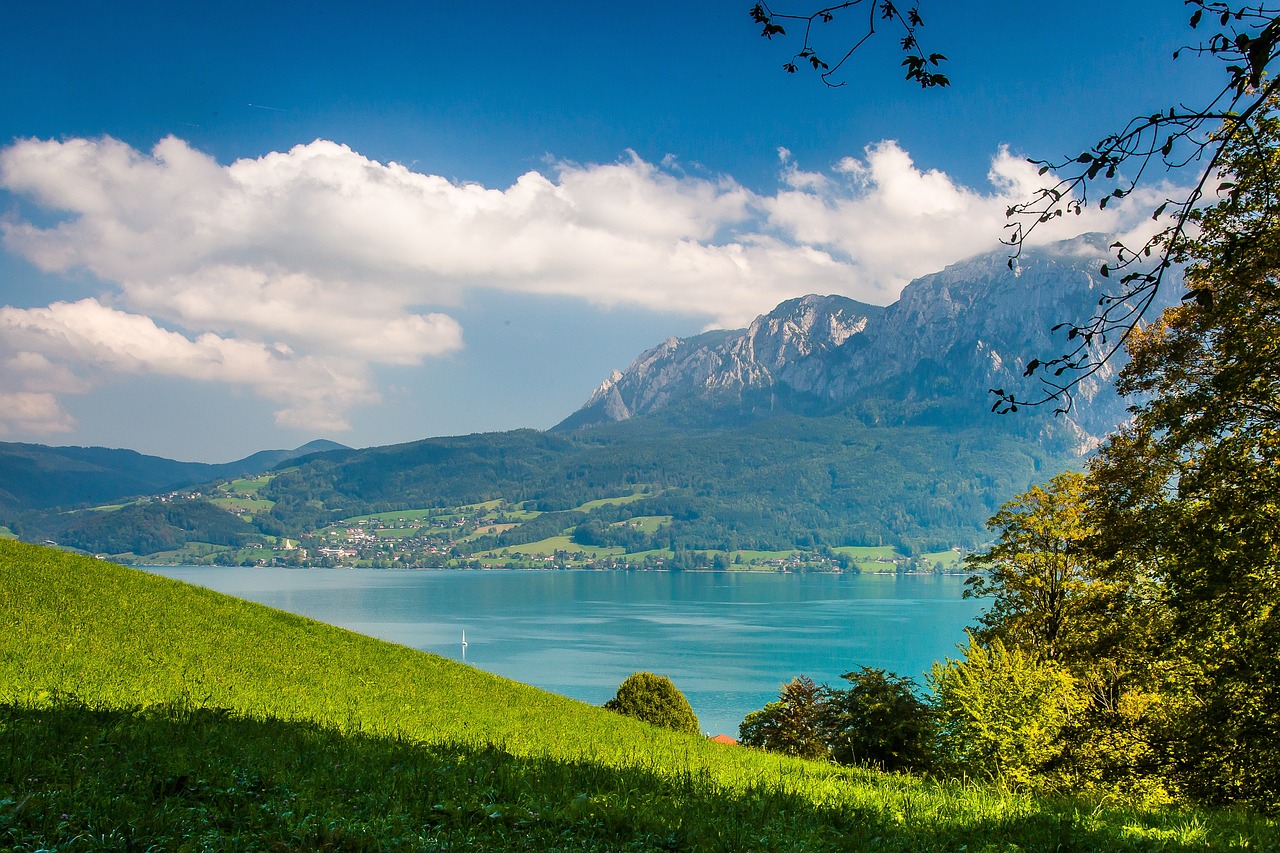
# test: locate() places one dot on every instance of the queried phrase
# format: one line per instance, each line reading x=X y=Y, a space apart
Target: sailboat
x=464 y=643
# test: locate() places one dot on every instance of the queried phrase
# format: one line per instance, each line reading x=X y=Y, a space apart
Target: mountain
x=720 y=368
x=33 y=476
x=933 y=354
x=265 y=460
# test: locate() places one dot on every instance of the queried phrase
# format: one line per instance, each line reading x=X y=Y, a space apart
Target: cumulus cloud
x=310 y=392
x=888 y=221
x=33 y=413
x=293 y=272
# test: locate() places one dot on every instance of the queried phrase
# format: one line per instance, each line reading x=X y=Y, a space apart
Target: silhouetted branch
x=921 y=67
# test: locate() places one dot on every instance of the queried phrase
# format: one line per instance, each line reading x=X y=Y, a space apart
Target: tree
x=1190 y=490
x=879 y=720
x=1166 y=558
x=1040 y=574
x=792 y=725
x=1243 y=37
x=921 y=68
x=1000 y=712
x=1056 y=596
x=654 y=699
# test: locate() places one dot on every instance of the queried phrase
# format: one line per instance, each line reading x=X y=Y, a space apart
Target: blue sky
x=230 y=227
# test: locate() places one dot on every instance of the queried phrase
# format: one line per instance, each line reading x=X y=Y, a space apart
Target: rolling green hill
x=35 y=477
x=138 y=713
x=777 y=483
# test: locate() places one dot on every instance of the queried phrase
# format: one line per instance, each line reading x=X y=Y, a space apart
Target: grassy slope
x=330 y=738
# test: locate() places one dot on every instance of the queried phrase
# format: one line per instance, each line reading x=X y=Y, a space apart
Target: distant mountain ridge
x=951 y=335
x=33 y=476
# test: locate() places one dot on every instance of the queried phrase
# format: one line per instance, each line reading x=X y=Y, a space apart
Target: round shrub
x=654 y=699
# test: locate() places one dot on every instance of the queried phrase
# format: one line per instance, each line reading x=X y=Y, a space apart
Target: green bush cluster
x=654 y=699
x=879 y=721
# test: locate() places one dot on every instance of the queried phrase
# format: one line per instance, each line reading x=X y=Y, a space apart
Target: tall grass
x=139 y=712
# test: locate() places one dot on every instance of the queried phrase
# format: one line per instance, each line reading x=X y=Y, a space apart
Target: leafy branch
x=920 y=67
x=1172 y=140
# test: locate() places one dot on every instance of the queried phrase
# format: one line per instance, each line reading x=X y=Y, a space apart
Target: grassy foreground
x=138 y=713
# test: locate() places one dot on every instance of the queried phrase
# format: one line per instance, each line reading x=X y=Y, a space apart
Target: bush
x=654 y=699
x=792 y=725
x=1000 y=712
x=880 y=721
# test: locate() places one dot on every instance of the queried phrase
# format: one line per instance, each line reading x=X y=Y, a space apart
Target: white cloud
x=889 y=221
x=291 y=273
x=32 y=413
x=311 y=392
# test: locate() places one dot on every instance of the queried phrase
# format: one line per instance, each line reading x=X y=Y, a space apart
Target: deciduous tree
x=1000 y=712
x=1190 y=488
x=1039 y=575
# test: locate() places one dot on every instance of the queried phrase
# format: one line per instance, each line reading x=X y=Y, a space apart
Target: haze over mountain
x=952 y=335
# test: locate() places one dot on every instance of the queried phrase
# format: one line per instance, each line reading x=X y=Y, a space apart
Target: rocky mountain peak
x=952 y=334
x=722 y=365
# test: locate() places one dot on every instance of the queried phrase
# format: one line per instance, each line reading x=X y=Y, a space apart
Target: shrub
x=879 y=720
x=1000 y=712
x=792 y=725
x=654 y=699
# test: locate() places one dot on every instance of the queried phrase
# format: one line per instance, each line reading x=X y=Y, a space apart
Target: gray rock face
x=952 y=334
x=780 y=349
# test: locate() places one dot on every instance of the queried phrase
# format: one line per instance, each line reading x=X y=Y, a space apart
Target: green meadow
x=138 y=713
x=645 y=523
x=552 y=544
x=618 y=501
x=945 y=560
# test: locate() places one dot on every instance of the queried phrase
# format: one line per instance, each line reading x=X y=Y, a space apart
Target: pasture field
x=645 y=523
x=397 y=515
x=242 y=495
x=618 y=501
x=103 y=508
x=249 y=485
x=249 y=505
x=140 y=713
x=550 y=545
x=946 y=560
x=762 y=556
x=868 y=553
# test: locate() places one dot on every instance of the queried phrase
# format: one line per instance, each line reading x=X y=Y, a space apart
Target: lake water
x=727 y=639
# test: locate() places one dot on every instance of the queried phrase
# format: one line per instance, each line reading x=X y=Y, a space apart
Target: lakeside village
x=472 y=537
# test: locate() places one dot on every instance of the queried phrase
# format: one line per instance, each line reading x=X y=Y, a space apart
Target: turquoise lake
x=727 y=639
